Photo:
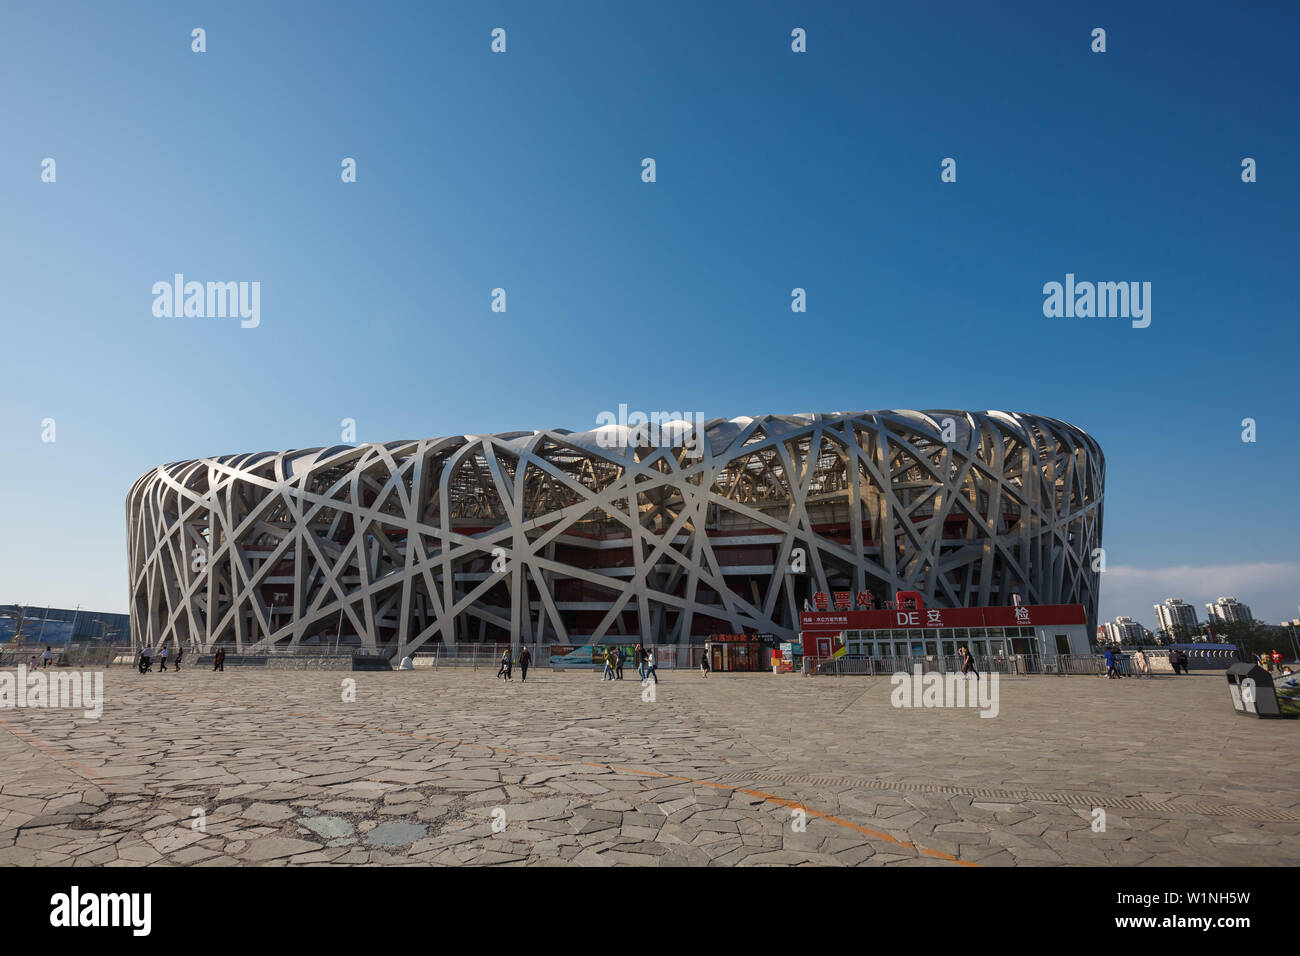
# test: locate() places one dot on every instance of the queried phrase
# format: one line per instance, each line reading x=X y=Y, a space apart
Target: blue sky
x=775 y=170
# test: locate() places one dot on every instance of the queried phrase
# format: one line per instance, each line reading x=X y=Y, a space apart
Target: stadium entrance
x=737 y=652
x=913 y=631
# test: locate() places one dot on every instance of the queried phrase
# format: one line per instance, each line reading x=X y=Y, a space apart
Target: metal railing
x=1014 y=664
x=478 y=656
x=76 y=654
x=667 y=656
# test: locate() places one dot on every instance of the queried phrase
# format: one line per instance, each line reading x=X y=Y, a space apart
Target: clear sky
x=775 y=170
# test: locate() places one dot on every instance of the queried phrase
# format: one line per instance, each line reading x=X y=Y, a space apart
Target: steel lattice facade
x=552 y=536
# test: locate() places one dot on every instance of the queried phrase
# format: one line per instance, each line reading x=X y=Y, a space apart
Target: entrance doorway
x=738 y=656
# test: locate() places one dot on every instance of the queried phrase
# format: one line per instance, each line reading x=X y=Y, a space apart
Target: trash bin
x=1254 y=694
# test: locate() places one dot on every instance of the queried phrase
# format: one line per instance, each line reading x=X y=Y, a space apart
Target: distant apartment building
x=1228 y=609
x=1124 y=630
x=1177 y=617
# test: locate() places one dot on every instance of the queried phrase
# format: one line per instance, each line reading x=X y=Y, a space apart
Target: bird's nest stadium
x=612 y=535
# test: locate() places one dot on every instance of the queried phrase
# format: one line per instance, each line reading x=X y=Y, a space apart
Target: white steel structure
x=574 y=538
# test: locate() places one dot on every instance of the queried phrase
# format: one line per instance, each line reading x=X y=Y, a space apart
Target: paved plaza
x=452 y=766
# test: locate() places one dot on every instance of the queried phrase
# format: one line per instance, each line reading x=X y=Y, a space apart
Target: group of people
x=614 y=661
x=612 y=658
x=643 y=657
x=1178 y=660
x=43 y=663
x=1271 y=661
x=147 y=657
x=507 y=664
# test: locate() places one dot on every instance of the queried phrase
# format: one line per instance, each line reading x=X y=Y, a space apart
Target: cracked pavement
x=266 y=767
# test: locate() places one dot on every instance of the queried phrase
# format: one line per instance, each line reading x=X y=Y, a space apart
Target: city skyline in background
x=775 y=171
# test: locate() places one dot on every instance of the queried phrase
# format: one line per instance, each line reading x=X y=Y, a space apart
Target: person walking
x=620 y=658
x=219 y=660
x=650 y=666
x=162 y=659
x=967 y=662
x=638 y=658
x=45 y=659
x=607 y=673
x=704 y=664
x=180 y=652
x=1141 y=664
x=506 y=663
x=525 y=659
x=1112 y=672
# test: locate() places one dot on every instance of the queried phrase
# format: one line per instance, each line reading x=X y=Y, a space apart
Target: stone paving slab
x=452 y=767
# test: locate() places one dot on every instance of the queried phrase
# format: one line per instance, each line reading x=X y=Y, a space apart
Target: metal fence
x=76 y=654
x=667 y=656
x=1014 y=664
x=260 y=649
x=478 y=656
x=98 y=654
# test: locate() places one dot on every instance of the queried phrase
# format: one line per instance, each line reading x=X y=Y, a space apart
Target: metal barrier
x=478 y=655
x=667 y=657
x=78 y=654
x=1014 y=664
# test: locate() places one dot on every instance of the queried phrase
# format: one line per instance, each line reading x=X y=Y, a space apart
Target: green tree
x=1251 y=637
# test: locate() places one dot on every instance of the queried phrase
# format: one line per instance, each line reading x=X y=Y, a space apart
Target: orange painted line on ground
x=78 y=768
x=766 y=797
x=762 y=795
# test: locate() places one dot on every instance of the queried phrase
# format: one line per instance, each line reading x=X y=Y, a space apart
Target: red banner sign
x=1022 y=616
